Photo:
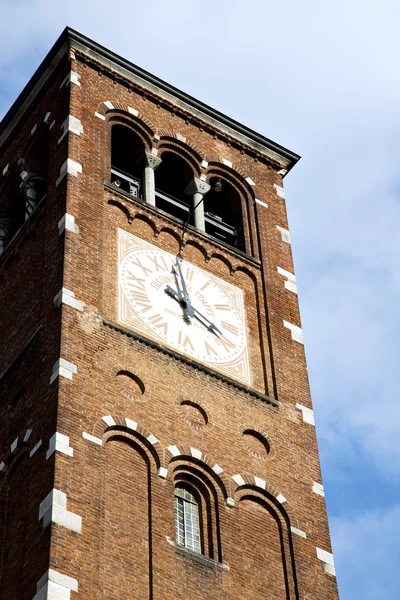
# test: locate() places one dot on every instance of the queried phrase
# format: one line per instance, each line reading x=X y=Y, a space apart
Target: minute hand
x=210 y=326
x=185 y=293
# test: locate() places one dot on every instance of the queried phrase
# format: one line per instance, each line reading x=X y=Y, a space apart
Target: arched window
x=172 y=178
x=187 y=518
x=127 y=150
x=223 y=213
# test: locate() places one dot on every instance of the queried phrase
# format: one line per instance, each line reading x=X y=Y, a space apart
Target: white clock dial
x=145 y=272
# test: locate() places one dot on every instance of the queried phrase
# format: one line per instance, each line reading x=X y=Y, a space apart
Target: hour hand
x=173 y=293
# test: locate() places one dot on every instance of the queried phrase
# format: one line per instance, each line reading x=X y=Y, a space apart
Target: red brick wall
x=114 y=487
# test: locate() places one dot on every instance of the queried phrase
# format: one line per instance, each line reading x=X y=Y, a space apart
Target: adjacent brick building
x=157 y=433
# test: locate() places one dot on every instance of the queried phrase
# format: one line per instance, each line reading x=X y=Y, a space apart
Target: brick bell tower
x=157 y=433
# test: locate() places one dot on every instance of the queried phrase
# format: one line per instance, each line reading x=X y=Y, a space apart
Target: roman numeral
x=135 y=282
x=142 y=300
x=189 y=273
x=155 y=320
x=210 y=350
x=222 y=306
x=138 y=263
x=227 y=344
x=159 y=263
x=184 y=341
x=207 y=283
x=231 y=328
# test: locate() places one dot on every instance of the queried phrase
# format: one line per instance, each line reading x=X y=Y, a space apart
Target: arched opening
x=172 y=178
x=127 y=150
x=25 y=190
x=223 y=213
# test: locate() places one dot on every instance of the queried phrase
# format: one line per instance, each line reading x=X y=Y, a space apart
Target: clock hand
x=210 y=326
x=185 y=296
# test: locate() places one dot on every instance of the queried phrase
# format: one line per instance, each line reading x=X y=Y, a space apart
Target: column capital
x=151 y=160
x=197 y=186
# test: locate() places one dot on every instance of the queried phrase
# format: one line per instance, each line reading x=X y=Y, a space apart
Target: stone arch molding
x=247 y=481
x=164 y=456
x=107 y=108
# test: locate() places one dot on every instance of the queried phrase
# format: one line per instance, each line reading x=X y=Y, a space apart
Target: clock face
x=150 y=290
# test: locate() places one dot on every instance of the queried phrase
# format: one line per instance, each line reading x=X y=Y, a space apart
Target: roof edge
x=64 y=42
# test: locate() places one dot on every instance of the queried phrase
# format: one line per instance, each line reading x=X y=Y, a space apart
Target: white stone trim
x=281 y=498
x=71 y=167
x=174 y=450
x=290 y=283
x=67 y=297
x=297 y=332
x=250 y=181
x=298 y=532
x=5 y=169
x=52 y=124
x=284 y=233
x=63 y=368
x=14 y=446
x=181 y=138
x=72 y=77
x=279 y=190
x=72 y=124
x=35 y=448
x=238 y=479
x=307 y=413
x=3 y=467
x=67 y=222
x=53 y=509
x=108 y=420
x=47 y=117
x=204 y=164
x=264 y=204
x=33 y=130
x=261 y=483
x=133 y=111
x=196 y=453
x=55 y=586
x=162 y=472
x=109 y=105
x=152 y=439
x=131 y=424
x=92 y=438
x=318 y=488
x=326 y=559
x=27 y=435
x=227 y=163
x=217 y=469
x=230 y=502
x=99 y=116
x=59 y=443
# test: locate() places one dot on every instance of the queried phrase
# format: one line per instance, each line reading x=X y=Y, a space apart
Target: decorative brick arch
x=235 y=175
x=108 y=108
x=190 y=454
x=240 y=482
x=183 y=149
x=165 y=134
x=123 y=425
x=22 y=442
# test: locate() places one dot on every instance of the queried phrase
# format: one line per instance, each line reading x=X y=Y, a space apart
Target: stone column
x=198 y=189
x=151 y=162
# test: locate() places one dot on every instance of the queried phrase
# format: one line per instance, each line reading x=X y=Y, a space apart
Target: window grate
x=187 y=525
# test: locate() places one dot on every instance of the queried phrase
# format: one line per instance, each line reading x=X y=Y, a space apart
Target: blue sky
x=322 y=79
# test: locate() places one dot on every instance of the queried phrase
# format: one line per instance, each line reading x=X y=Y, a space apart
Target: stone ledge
x=189 y=361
